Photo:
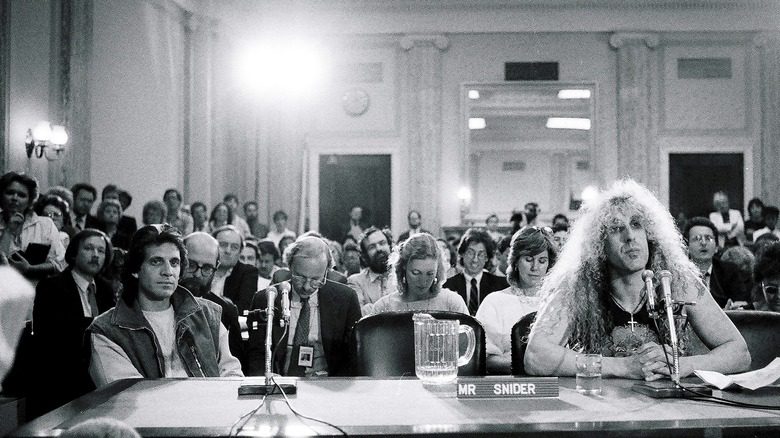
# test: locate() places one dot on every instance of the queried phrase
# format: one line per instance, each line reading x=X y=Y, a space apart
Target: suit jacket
x=127 y=225
x=339 y=311
x=58 y=328
x=283 y=274
x=726 y=281
x=488 y=284
x=230 y=321
x=241 y=285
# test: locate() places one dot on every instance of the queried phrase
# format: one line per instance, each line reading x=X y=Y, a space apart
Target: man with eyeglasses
x=475 y=252
x=767 y=276
x=723 y=279
x=234 y=280
x=322 y=313
x=203 y=260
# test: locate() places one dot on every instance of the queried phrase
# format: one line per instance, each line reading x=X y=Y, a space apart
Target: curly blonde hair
x=580 y=278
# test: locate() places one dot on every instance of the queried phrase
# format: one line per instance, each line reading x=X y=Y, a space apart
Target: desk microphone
x=648 y=276
x=285 y=319
x=666 y=286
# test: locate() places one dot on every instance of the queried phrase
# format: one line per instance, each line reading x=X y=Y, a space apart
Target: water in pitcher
x=436 y=355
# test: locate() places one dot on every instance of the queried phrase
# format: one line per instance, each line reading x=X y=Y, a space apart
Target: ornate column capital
x=619 y=39
x=441 y=42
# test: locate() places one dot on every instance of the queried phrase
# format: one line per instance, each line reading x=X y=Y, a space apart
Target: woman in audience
x=283 y=244
x=20 y=227
x=108 y=214
x=154 y=212
x=449 y=257
x=492 y=227
x=335 y=250
x=420 y=272
x=532 y=252
x=57 y=210
x=755 y=218
x=221 y=215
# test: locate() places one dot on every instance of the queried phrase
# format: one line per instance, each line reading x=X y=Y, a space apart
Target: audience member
x=283 y=244
x=266 y=263
x=234 y=280
x=449 y=257
x=202 y=264
x=16 y=302
x=560 y=235
x=65 y=194
x=232 y=201
x=502 y=256
x=376 y=279
x=763 y=240
x=200 y=217
x=728 y=221
x=56 y=209
x=755 y=218
x=108 y=214
x=322 y=315
x=560 y=220
x=532 y=211
x=491 y=225
x=356 y=224
x=594 y=296
x=475 y=252
x=249 y=253
x=414 y=219
x=419 y=273
x=351 y=259
x=770 y=221
x=84 y=195
x=532 y=253
x=279 y=230
x=127 y=224
x=157 y=328
x=256 y=228
x=20 y=228
x=283 y=274
x=176 y=216
x=338 y=255
x=65 y=305
x=154 y=212
x=221 y=215
x=767 y=278
x=516 y=220
x=743 y=261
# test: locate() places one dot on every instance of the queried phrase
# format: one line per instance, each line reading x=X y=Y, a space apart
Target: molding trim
x=441 y=42
x=619 y=39
x=5 y=52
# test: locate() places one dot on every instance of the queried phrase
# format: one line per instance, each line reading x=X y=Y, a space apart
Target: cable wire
x=298 y=414
x=245 y=418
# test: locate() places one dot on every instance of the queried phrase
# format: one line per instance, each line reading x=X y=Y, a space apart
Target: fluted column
x=5 y=50
x=638 y=153
x=422 y=87
x=769 y=151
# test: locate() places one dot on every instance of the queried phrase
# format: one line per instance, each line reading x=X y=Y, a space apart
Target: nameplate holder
x=507 y=387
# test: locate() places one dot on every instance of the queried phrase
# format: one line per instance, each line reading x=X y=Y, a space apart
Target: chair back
x=383 y=344
x=761 y=331
x=520 y=332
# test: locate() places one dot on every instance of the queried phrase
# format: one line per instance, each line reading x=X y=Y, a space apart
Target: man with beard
x=475 y=253
x=374 y=281
x=65 y=305
x=203 y=258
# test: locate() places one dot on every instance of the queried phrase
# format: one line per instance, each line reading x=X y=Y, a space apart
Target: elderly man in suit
x=475 y=251
x=322 y=315
x=234 y=280
x=65 y=305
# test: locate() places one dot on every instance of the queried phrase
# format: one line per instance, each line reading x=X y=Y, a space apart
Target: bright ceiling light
x=568 y=123
x=464 y=194
x=474 y=94
x=574 y=94
x=477 y=123
x=292 y=68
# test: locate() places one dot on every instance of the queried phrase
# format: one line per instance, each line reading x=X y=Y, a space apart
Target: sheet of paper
x=751 y=380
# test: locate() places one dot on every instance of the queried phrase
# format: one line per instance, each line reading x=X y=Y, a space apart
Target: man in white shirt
x=728 y=222
x=279 y=229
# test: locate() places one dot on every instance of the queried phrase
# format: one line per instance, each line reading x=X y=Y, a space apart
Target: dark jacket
x=488 y=284
x=58 y=327
x=241 y=286
x=230 y=321
x=339 y=311
x=726 y=281
x=197 y=335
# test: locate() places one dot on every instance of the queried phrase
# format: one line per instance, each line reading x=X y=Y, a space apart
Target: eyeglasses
x=544 y=230
x=53 y=214
x=769 y=291
x=470 y=253
x=704 y=238
x=233 y=246
x=300 y=281
x=206 y=269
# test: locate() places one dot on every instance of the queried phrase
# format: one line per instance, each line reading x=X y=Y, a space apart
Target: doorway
x=347 y=180
x=694 y=178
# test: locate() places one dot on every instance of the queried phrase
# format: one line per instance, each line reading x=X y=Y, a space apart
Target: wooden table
x=365 y=406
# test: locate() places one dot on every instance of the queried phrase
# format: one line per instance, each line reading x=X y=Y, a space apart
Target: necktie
x=473 y=297
x=301 y=338
x=92 y=300
x=80 y=223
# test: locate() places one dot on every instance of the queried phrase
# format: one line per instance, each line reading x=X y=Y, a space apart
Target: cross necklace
x=631 y=322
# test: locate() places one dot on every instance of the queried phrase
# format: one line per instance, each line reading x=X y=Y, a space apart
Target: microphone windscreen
x=647 y=275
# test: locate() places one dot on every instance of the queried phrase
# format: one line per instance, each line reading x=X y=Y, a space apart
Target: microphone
x=666 y=286
x=285 y=319
x=648 y=276
x=271 y=296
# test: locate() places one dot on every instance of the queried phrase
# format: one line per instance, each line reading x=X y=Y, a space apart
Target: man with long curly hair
x=595 y=296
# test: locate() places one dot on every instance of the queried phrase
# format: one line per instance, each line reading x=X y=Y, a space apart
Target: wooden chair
x=761 y=331
x=520 y=332
x=383 y=344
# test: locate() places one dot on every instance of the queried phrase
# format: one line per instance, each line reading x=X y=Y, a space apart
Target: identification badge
x=306 y=356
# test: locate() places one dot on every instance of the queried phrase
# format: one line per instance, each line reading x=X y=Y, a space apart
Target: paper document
x=750 y=380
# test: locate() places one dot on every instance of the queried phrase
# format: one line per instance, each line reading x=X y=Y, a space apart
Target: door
x=694 y=178
x=349 y=180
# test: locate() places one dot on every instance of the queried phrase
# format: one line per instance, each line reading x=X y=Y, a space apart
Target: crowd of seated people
x=185 y=294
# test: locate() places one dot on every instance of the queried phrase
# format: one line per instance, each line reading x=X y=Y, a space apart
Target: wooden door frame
x=319 y=146
x=747 y=172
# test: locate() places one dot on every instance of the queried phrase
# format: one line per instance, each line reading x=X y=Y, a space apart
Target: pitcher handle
x=463 y=360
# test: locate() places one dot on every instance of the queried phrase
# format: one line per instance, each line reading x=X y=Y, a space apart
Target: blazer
x=58 y=329
x=726 y=281
x=488 y=284
x=339 y=311
x=240 y=286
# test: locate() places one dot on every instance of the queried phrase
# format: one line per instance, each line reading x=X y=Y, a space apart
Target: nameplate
x=507 y=387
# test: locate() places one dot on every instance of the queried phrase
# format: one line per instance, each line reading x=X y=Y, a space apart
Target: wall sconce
x=46 y=140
